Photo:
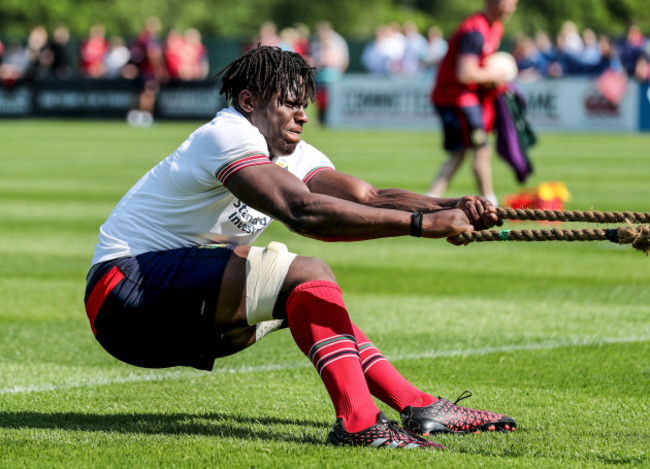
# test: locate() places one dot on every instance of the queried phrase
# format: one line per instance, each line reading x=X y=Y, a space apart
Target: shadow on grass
x=228 y=426
x=211 y=424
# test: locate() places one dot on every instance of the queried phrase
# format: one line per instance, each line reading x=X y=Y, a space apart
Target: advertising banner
x=189 y=100
x=68 y=98
x=107 y=98
x=355 y=102
x=564 y=104
x=16 y=102
x=576 y=104
x=367 y=101
x=84 y=98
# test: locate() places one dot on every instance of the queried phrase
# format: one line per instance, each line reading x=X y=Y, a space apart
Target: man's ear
x=246 y=101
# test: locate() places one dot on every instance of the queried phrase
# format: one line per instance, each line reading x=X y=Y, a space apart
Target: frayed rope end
x=638 y=237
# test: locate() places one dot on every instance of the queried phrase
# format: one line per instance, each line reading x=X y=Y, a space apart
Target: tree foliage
x=353 y=18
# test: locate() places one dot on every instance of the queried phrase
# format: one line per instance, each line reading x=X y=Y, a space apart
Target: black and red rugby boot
x=444 y=416
x=383 y=434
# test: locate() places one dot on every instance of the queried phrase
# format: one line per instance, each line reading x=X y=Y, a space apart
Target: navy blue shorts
x=157 y=309
x=462 y=127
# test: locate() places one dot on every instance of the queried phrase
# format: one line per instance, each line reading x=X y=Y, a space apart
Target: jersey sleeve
x=471 y=42
x=227 y=146
x=315 y=171
x=230 y=167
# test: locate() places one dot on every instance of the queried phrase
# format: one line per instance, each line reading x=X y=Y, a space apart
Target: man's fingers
x=478 y=214
x=472 y=214
x=494 y=217
x=456 y=242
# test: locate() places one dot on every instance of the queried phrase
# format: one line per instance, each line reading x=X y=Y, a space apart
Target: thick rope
x=638 y=237
x=576 y=215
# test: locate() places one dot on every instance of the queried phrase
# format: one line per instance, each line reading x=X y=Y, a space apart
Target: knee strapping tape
x=266 y=269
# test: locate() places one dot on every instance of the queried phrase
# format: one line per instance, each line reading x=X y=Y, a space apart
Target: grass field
x=555 y=334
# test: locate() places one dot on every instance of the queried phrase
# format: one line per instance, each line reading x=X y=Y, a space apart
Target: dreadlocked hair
x=265 y=70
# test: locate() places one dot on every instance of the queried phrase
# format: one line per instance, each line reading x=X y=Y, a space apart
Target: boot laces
x=464 y=395
x=397 y=432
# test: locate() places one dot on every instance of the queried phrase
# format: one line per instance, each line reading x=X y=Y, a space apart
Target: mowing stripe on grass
x=184 y=374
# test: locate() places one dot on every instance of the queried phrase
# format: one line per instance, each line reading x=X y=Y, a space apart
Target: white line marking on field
x=168 y=375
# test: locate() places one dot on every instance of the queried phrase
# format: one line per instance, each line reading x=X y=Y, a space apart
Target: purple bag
x=514 y=135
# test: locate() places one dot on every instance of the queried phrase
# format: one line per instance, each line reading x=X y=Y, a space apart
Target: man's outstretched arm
x=481 y=213
x=279 y=194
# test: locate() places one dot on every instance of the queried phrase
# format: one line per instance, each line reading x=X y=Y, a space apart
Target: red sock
x=320 y=325
x=384 y=381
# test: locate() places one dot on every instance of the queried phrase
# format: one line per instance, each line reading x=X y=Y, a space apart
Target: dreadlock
x=265 y=70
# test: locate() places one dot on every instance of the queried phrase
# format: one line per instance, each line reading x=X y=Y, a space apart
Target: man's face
x=502 y=9
x=280 y=122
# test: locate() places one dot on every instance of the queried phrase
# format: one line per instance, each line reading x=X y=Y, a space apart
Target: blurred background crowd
x=397 y=50
x=179 y=55
x=575 y=52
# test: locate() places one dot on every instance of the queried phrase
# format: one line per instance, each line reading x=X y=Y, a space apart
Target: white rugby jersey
x=182 y=201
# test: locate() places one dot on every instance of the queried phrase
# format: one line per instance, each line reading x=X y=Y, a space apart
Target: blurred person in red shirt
x=195 y=65
x=464 y=94
x=301 y=43
x=93 y=53
x=186 y=56
x=174 y=49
